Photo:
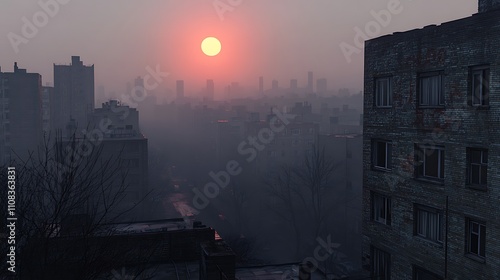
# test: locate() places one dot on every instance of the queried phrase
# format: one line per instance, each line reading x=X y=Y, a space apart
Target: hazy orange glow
x=183 y=59
x=211 y=46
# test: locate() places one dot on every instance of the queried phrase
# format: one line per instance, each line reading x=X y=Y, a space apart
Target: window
x=476 y=238
x=383 y=92
x=431 y=89
x=295 y=131
x=480 y=77
x=428 y=223
x=128 y=127
x=477 y=167
x=381 y=154
x=381 y=209
x=422 y=274
x=429 y=162
x=381 y=264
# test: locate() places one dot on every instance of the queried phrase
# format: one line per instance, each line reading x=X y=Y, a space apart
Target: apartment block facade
x=431 y=151
x=73 y=98
x=20 y=114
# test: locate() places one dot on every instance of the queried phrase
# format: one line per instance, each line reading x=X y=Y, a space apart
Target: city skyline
x=142 y=36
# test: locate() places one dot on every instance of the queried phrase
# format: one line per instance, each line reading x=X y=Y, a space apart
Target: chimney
x=75 y=60
x=15 y=67
x=488 y=5
x=217 y=261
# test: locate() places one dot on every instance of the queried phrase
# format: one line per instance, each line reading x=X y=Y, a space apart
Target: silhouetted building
x=47 y=95
x=119 y=125
x=152 y=245
x=138 y=85
x=275 y=85
x=290 y=145
x=346 y=151
x=310 y=81
x=73 y=94
x=210 y=89
x=432 y=140
x=261 y=85
x=321 y=86
x=293 y=85
x=179 y=88
x=301 y=108
x=20 y=113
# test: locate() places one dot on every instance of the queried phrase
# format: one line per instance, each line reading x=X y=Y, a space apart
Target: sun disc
x=211 y=46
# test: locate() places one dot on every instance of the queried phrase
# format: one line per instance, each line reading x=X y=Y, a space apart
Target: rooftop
x=152 y=226
x=458 y=24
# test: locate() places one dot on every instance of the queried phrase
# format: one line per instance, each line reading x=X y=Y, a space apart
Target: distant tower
x=180 y=89
x=73 y=94
x=275 y=85
x=139 y=90
x=139 y=82
x=235 y=87
x=310 y=79
x=21 y=107
x=293 y=85
x=321 y=86
x=261 y=85
x=210 y=89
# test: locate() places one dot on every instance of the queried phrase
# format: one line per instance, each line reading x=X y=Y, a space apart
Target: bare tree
x=66 y=195
x=305 y=196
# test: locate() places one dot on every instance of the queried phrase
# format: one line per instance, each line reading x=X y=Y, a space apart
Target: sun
x=211 y=46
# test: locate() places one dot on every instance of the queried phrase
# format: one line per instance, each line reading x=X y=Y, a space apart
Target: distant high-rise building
x=310 y=79
x=235 y=87
x=179 y=88
x=139 y=82
x=123 y=139
x=261 y=85
x=275 y=84
x=73 y=94
x=293 y=85
x=20 y=113
x=47 y=93
x=321 y=86
x=101 y=91
x=210 y=89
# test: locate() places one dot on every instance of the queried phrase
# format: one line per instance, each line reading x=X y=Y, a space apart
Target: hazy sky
x=278 y=39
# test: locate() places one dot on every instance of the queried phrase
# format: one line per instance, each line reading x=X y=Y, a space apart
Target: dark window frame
x=423 y=168
x=376 y=161
x=385 y=217
x=384 y=264
x=427 y=275
x=484 y=87
x=482 y=167
x=471 y=234
x=381 y=101
x=426 y=210
x=427 y=76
